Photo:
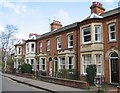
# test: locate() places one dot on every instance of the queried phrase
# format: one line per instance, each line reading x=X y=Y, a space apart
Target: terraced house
x=94 y=40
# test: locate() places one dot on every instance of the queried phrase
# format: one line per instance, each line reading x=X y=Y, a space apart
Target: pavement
x=54 y=88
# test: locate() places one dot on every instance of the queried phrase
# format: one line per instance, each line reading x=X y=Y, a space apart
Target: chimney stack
x=55 y=25
x=97 y=8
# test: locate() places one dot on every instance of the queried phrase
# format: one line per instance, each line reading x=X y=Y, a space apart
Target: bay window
x=97 y=33
x=86 y=34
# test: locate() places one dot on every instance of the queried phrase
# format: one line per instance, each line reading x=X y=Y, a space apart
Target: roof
x=111 y=12
x=93 y=15
x=59 y=30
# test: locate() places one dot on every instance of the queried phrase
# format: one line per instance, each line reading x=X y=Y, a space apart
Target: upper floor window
x=86 y=34
x=32 y=47
x=112 y=32
x=48 y=45
x=40 y=46
x=70 y=41
x=97 y=33
x=19 y=50
x=58 y=43
x=27 y=47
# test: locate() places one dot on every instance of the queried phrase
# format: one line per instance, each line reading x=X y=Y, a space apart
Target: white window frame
x=32 y=64
x=40 y=46
x=43 y=64
x=48 y=45
x=83 y=36
x=58 y=43
x=19 y=50
x=69 y=41
x=85 y=64
x=62 y=65
x=98 y=64
x=32 y=48
x=38 y=65
x=113 y=24
x=98 y=34
x=28 y=47
x=71 y=62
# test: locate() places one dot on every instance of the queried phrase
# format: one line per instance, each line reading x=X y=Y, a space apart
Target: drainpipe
x=77 y=74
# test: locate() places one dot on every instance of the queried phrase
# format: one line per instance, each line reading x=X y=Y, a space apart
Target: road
x=10 y=85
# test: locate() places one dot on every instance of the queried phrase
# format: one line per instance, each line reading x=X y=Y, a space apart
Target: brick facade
x=73 y=49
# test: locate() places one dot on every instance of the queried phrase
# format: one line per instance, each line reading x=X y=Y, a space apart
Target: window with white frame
x=48 y=45
x=62 y=63
x=97 y=33
x=112 y=32
x=99 y=63
x=32 y=47
x=19 y=65
x=70 y=62
x=27 y=61
x=19 y=50
x=27 y=47
x=58 y=43
x=70 y=41
x=38 y=65
x=40 y=47
x=32 y=64
x=86 y=32
x=43 y=64
x=86 y=62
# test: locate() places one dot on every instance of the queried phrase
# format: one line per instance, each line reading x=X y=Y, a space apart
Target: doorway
x=114 y=65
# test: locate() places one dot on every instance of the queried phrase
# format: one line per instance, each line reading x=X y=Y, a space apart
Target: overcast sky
x=35 y=16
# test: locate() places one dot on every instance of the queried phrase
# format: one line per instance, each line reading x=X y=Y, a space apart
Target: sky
x=35 y=16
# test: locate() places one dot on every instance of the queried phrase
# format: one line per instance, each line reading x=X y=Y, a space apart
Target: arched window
x=114 y=54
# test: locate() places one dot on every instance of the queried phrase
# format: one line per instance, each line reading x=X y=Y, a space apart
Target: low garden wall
x=61 y=81
x=66 y=82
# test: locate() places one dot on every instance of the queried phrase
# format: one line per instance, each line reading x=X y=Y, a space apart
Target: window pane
x=87 y=38
x=99 y=69
x=112 y=28
x=112 y=35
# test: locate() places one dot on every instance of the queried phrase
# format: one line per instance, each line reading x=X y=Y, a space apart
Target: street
x=10 y=85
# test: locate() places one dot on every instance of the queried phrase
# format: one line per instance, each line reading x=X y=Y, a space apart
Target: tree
x=7 y=40
x=91 y=74
x=26 y=68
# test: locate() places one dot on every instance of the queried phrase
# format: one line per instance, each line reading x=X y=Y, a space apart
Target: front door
x=50 y=68
x=114 y=70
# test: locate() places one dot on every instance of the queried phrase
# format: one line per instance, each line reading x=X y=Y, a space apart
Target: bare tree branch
x=7 y=40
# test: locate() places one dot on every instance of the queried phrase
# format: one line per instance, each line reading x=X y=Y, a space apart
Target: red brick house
x=94 y=40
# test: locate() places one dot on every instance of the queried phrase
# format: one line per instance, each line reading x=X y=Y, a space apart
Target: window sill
x=112 y=41
x=70 y=47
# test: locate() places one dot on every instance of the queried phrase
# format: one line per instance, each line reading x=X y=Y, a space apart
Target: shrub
x=10 y=62
x=68 y=74
x=26 y=68
x=91 y=73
